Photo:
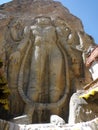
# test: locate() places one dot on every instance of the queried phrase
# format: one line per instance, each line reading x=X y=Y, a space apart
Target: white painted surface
x=94 y=70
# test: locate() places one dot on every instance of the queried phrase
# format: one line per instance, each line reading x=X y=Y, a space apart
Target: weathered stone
x=44 y=52
x=56 y=120
x=82 y=110
x=92 y=125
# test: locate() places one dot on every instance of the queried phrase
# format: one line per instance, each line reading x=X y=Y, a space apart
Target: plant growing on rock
x=4 y=90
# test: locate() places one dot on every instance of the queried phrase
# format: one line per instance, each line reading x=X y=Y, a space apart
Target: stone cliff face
x=43 y=47
x=32 y=8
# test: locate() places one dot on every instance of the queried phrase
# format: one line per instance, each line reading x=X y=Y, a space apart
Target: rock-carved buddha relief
x=41 y=66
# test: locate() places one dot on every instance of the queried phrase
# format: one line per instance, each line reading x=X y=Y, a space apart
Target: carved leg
x=57 y=78
x=29 y=110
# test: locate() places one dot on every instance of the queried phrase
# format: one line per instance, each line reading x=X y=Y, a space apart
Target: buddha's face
x=43 y=21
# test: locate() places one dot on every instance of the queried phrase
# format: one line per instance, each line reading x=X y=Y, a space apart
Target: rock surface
x=92 y=125
x=43 y=47
x=82 y=110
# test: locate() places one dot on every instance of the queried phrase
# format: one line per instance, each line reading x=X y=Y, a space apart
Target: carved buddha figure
x=41 y=62
x=46 y=75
